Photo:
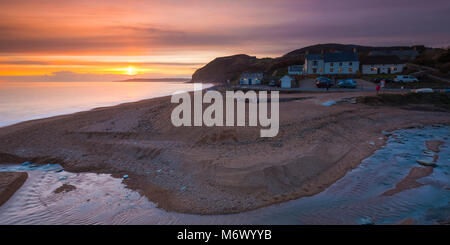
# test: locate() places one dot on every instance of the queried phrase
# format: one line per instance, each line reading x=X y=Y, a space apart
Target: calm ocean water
x=22 y=101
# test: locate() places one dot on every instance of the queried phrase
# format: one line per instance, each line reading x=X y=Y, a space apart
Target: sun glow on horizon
x=131 y=71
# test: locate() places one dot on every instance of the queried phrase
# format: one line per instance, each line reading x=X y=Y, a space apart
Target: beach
x=215 y=170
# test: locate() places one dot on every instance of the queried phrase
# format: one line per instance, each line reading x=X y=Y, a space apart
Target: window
x=315 y=63
x=394 y=68
x=350 y=69
x=314 y=70
x=350 y=63
x=331 y=64
x=340 y=70
x=331 y=69
x=320 y=70
x=340 y=64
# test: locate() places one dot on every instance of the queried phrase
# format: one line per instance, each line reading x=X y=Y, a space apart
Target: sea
x=22 y=101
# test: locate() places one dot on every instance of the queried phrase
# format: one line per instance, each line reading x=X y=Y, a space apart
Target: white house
x=251 y=78
x=313 y=64
x=332 y=63
x=382 y=64
x=295 y=70
x=341 y=63
x=287 y=81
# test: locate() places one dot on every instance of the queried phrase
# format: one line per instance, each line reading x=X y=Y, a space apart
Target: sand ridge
x=10 y=182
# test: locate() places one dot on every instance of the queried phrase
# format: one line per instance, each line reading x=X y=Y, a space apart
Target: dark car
x=347 y=83
x=272 y=83
x=323 y=82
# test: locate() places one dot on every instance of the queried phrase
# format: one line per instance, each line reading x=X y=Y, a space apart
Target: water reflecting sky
x=21 y=101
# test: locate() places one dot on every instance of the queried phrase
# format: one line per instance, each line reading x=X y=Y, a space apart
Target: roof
x=295 y=68
x=258 y=75
x=314 y=57
x=338 y=57
x=400 y=53
x=381 y=60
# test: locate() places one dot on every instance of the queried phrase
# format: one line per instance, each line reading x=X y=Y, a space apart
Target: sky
x=78 y=40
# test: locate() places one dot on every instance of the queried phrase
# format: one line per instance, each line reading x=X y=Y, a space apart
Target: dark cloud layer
x=261 y=26
x=85 y=40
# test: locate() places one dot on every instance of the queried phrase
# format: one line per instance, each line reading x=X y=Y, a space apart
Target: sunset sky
x=76 y=40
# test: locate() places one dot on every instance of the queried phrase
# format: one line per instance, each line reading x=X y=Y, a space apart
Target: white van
x=405 y=79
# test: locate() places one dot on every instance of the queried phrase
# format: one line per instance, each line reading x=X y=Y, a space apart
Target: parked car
x=323 y=82
x=272 y=83
x=405 y=79
x=347 y=83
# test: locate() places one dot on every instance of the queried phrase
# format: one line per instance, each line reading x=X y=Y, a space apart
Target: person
x=378 y=88
x=382 y=83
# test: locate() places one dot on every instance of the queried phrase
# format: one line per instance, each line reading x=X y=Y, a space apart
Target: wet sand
x=433 y=145
x=64 y=188
x=410 y=181
x=220 y=169
x=10 y=182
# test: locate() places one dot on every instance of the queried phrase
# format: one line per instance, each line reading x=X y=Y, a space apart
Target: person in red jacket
x=378 y=88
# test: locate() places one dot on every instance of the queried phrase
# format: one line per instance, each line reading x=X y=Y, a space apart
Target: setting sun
x=131 y=71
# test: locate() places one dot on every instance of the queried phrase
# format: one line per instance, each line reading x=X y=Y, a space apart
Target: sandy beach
x=215 y=170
